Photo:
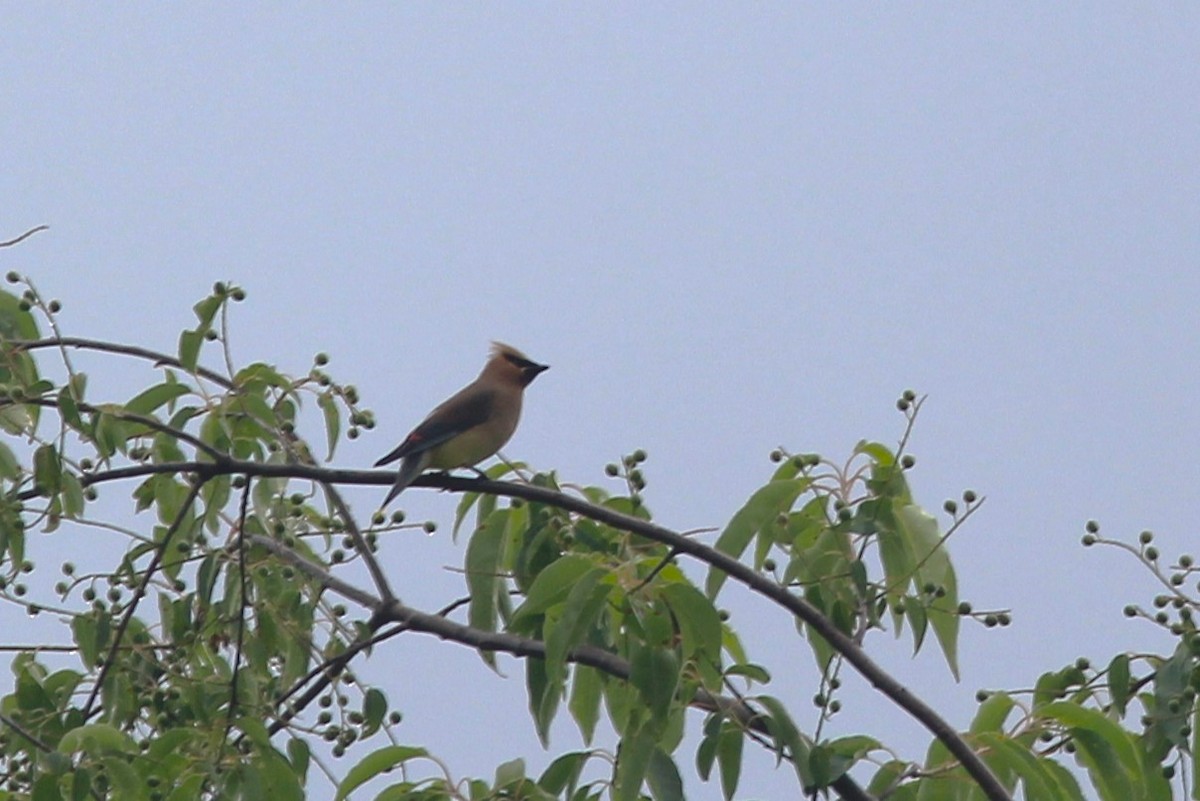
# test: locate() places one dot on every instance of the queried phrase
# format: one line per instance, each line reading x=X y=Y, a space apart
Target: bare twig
x=158 y=359
x=360 y=543
x=139 y=593
x=241 y=619
x=24 y=236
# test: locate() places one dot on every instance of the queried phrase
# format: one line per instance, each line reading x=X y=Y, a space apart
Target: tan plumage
x=472 y=424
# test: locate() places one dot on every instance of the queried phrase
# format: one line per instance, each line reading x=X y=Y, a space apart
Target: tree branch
x=24 y=236
x=360 y=543
x=797 y=606
x=440 y=626
x=159 y=359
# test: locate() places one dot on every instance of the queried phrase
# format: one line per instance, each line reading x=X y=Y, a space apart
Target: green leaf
x=47 y=470
x=551 y=586
x=879 y=453
x=764 y=506
x=16 y=323
x=633 y=760
x=123 y=780
x=1052 y=686
x=663 y=777
x=1119 y=686
x=1068 y=785
x=918 y=620
x=375 y=706
x=271 y=776
x=376 y=763
x=544 y=696
x=1107 y=750
x=259 y=375
x=583 y=604
x=729 y=758
x=887 y=778
x=751 y=671
x=146 y=402
x=206 y=309
x=563 y=773
x=484 y=579
x=586 y=690
x=920 y=531
x=72 y=495
x=699 y=621
x=1172 y=679
x=948 y=781
x=465 y=503
x=992 y=713
x=1005 y=755
x=509 y=773
x=706 y=752
x=1195 y=751
x=844 y=752
x=189 y=349
x=655 y=672
x=97 y=739
x=91 y=635
x=69 y=409
x=333 y=420
x=9 y=466
x=787 y=737
x=820 y=765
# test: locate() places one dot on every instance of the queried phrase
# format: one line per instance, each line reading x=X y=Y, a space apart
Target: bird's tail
x=412 y=466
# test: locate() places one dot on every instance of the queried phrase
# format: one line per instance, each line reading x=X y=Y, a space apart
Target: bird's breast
x=478 y=443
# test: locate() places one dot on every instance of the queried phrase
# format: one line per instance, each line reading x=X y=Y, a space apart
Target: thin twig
x=159 y=359
x=139 y=593
x=33 y=738
x=241 y=619
x=360 y=543
x=24 y=236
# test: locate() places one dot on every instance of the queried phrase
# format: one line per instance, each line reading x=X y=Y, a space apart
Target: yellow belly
x=470 y=447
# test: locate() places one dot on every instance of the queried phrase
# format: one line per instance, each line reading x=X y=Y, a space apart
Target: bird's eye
x=517 y=361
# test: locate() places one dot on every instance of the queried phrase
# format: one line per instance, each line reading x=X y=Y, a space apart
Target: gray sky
x=725 y=230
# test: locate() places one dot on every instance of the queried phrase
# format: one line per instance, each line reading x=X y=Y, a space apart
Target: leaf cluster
x=214 y=657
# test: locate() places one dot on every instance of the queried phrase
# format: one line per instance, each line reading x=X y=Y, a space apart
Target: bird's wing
x=460 y=413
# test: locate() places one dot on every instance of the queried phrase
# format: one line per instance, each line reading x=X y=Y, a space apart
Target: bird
x=470 y=425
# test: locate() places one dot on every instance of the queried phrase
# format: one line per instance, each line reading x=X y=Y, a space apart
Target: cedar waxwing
x=472 y=424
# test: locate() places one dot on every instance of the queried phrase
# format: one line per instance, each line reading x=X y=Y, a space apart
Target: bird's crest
x=507 y=351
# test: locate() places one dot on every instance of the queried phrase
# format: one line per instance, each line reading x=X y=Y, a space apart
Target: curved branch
x=843 y=644
x=24 y=236
x=364 y=549
x=157 y=358
x=440 y=626
x=797 y=606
